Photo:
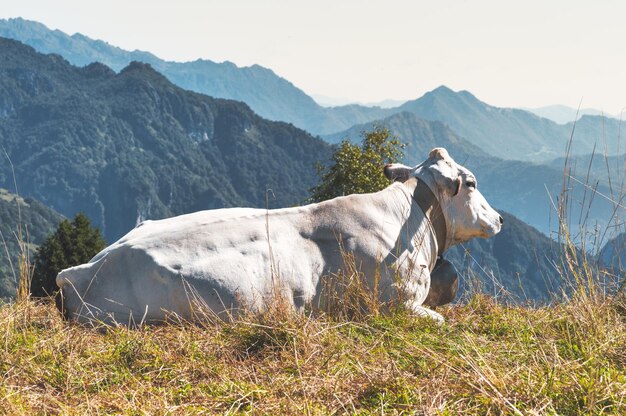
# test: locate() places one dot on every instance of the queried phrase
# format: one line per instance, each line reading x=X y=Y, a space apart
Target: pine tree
x=72 y=243
x=358 y=169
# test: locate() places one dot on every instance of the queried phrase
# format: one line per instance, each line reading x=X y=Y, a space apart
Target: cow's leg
x=414 y=287
x=425 y=312
x=444 y=284
x=415 y=291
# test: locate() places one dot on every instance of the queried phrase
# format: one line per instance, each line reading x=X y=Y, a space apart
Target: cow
x=226 y=258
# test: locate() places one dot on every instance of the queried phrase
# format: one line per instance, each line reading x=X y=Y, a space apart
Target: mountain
x=524 y=189
x=613 y=255
x=326 y=101
x=511 y=133
x=610 y=171
x=34 y=220
x=266 y=93
x=127 y=146
x=389 y=103
x=419 y=136
x=562 y=114
x=519 y=259
x=505 y=133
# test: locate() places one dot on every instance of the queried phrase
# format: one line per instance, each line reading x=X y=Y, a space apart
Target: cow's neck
x=428 y=202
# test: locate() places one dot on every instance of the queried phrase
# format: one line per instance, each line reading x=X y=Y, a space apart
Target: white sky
x=525 y=53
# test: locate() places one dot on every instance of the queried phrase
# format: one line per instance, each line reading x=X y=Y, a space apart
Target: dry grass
x=487 y=359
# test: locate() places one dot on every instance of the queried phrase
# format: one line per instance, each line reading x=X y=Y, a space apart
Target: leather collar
x=427 y=201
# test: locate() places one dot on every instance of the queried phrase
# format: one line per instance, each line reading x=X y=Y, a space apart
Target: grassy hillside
x=357 y=357
x=487 y=358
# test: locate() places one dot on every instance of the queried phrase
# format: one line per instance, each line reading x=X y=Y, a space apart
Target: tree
x=358 y=169
x=72 y=243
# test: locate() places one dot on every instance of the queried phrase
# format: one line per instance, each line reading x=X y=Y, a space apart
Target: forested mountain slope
x=127 y=146
x=268 y=94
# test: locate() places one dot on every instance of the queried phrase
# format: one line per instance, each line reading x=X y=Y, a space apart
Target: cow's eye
x=470 y=184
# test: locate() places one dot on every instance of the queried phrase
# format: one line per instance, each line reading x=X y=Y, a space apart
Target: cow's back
x=219 y=259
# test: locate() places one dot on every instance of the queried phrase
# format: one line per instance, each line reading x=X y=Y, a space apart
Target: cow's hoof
x=428 y=313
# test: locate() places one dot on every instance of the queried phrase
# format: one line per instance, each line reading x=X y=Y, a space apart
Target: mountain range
x=505 y=133
x=510 y=133
x=126 y=146
x=519 y=264
x=268 y=94
x=523 y=188
x=562 y=114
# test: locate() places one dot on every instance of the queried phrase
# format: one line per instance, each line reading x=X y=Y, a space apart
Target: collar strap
x=427 y=201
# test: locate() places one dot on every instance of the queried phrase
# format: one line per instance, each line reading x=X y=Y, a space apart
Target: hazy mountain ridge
x=521 y=188
x=132 y=145
x=610 y=171
x=562 y=114
x=502 y=132
x=519 y=259
x=266 y=93
x=613 y=255
x=419 y=136
x=511 y=133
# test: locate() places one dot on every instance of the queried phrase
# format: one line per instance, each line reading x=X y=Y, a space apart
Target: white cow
x=230 y=257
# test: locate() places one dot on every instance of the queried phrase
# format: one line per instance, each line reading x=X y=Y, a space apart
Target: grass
x=356 y=357
x=488 y=358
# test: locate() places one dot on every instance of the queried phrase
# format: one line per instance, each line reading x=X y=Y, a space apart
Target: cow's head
x=466 y=211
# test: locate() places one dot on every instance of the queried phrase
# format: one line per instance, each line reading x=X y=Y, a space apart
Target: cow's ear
x=398 y=172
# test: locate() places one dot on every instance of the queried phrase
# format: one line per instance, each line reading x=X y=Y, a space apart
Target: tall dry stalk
x=25 y=267
x=585 y=279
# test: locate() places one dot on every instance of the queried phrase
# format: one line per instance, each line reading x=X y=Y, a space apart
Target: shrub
x=358 y=169
x=72 y=243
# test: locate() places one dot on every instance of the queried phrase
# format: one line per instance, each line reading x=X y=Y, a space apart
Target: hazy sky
x=519 y=54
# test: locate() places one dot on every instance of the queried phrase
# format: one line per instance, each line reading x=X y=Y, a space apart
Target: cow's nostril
x=501 y=219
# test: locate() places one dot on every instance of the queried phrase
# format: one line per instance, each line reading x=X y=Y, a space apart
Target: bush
x=72 y=243
x=358 y=169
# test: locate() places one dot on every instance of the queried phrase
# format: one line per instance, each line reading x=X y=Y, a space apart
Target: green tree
x=358 y=169
x=72 y=243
